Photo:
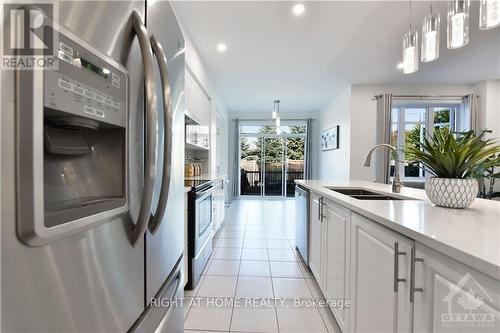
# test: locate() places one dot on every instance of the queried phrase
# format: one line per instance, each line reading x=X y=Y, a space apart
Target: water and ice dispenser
x=76 y=140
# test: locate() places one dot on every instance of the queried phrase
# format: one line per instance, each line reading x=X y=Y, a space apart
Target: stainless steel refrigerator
x=92 y=174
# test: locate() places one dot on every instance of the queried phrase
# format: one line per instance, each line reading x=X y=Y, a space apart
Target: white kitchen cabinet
x=220 y=207
x=337 y=259
x=197 y=100
x=185 y=257
x=316 y=261
x=452 y=297
x=379 y=303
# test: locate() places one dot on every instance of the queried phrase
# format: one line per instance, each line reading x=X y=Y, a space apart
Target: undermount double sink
x=363 y=194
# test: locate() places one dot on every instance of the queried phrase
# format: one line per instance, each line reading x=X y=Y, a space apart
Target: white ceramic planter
x=452 y=192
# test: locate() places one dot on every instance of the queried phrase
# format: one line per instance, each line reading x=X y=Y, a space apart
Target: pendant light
x=410 y=50
x=489 y=14
x=277 y=117
x=430 y=37
x=458 y=23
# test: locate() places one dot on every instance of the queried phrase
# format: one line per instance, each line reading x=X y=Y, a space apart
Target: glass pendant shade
x=410 y=52
x=489 y=14
x=430 y=38
x=458 y=23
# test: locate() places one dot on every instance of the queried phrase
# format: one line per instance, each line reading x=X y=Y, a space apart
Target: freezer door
x=165 y=314
x=92 y=281
x=164 y=245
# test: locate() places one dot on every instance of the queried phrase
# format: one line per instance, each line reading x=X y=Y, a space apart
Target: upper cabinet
x=197 y=101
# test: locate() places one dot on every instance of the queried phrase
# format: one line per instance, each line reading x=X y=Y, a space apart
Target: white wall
x=334 y=164
x=489 y=105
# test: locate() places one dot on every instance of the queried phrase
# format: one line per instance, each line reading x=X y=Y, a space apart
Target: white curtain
x=384 y=110
x=234 y=160
x=468 y=119
x=308 y=150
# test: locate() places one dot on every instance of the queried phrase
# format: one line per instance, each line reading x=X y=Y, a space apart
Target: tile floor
x=255 y=260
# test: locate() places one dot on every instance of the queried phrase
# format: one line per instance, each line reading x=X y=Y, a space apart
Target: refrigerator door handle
x=157 y=217
x=151 y=134
x=180 y=284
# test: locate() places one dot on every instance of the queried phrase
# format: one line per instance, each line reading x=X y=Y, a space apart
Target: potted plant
x=454 y=160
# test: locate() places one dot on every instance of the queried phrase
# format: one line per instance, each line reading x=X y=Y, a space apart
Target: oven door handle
x=151 y=133
x=157 y=217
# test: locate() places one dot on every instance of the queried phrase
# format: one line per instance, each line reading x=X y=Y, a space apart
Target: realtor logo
x=467 y=307
x=28 y=40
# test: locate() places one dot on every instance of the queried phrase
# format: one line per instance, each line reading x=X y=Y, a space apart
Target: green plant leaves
x=457 y=155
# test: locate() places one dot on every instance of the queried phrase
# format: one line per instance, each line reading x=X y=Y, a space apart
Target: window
x=410 y=124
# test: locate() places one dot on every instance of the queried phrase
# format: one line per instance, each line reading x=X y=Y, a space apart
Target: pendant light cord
x=410 y=15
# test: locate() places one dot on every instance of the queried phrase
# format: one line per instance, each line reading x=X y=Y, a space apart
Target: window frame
x=429 y=126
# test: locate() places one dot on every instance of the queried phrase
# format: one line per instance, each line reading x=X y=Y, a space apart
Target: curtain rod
x=421 y=96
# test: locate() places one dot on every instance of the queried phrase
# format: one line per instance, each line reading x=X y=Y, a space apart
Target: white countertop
x=471 y=235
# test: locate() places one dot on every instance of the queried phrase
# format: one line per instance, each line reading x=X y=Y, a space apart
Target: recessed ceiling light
x=298 y=9
x=221 y=47
x=401 y=65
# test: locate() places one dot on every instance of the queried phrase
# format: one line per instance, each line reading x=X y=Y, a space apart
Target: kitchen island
x=396 y=260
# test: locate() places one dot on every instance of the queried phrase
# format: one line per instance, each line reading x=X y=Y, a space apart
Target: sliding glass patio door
x=270 y=162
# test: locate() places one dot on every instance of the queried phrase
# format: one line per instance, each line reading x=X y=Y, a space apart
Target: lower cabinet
x=316 y=238
x=380 y=276
x=393 y=283
x=452 y=297
x=185 y=257
x=337 y=259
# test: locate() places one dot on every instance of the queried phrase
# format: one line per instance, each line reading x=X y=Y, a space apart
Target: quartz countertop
x=471 y=236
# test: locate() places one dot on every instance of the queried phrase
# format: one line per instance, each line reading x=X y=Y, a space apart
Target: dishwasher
x=302 y=222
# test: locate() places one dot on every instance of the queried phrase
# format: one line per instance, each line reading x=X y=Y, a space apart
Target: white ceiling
x=305 y=61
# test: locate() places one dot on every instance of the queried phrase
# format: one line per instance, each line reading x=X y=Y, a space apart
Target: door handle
x=413 y=289
x=319 y=209
x=397 y=279
x=157 y=217
x=151 y=129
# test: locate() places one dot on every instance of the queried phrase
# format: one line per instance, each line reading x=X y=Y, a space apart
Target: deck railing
x=251 y=182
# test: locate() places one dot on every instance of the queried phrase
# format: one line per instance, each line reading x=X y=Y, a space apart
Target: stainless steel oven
x=201 y=211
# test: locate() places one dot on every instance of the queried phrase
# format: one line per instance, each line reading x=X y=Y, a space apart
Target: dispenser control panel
x=86 y=85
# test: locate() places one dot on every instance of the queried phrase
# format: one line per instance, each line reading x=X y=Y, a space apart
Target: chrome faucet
x=396 y=182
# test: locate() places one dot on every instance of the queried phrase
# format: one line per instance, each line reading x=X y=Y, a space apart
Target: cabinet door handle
x=321 y=204
x=397 y=279
x=413 y=289
x=319 y=209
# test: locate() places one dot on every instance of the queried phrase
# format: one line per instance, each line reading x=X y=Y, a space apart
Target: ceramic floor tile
x=278 y=244
x=255 y=235
x=254 y=244
x=230 y=242
x=290 y=288
x=281 y=255
x=254 y=287
x=217 y=286
x=233 y=234
x=223 y=267
x=227 y=253
x=254 y=268
x=293 y=319
x=205 y=317
x=254 y=319
x=285 y=269
x=254 y=254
